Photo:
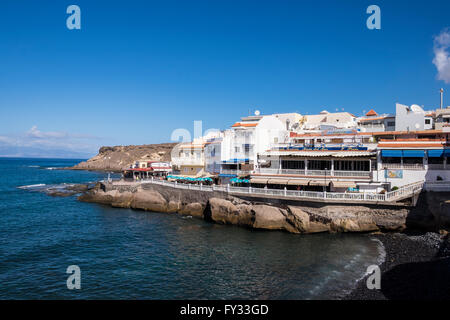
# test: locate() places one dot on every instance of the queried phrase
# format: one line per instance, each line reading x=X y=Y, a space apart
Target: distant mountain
x=36 y=152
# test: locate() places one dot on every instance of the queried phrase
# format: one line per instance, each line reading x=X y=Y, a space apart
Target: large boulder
x=223 y=211
x=272 y=218
x=299 y=219
x=149 y=200
x=194 y=209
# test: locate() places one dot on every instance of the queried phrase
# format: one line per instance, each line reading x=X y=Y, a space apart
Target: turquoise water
x=127 y=254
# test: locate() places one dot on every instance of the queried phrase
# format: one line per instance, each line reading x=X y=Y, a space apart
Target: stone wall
x=431 y=213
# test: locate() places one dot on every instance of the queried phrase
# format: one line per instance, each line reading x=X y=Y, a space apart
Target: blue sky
x=137 y=70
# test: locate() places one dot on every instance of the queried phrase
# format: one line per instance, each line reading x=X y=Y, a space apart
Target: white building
x=412 y=118
x=374 y=122
x=328 y=121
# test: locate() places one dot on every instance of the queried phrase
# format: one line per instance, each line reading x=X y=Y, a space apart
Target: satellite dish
x=257 y=113
x=417 y=109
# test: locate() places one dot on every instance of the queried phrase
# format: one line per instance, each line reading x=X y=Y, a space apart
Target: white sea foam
x=33 y=166
x=32 y=186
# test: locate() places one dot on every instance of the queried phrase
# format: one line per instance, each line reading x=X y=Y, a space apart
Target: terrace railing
x=303 y=172
x=389 y=197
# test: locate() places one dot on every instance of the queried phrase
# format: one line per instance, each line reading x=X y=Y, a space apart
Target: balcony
x=407 y=166
x=234 y=171
x=303 y=172
x=188 y=161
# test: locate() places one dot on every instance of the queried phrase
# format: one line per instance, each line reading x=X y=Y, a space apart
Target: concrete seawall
x=431 y=213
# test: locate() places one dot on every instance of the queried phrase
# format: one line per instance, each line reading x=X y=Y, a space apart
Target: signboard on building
x=393 y=174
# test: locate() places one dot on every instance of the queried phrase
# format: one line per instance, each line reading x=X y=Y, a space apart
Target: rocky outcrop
x=119 y=158
x=220 y=208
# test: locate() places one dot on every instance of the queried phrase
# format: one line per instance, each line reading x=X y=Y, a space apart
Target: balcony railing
x=234 y=171
x=410 y=166
x=303 y=172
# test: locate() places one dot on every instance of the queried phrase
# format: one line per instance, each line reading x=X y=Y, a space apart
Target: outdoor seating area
x=183 y=179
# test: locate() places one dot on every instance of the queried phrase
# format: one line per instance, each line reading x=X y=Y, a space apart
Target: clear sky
x=137 y=70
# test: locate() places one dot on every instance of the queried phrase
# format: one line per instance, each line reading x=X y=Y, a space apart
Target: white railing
x=392 y=196
x=331 y=173
x=404 y=191
x=411 y=166
x=234 y=171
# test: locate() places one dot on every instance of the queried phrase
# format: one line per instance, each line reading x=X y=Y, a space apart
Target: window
x=434 y=160
x=413 y=160
x=391 y=160
x=427 y=121
x=391 y=124
x=352 y=165
x=236 y=149
x=292 y=164
x=319 y=164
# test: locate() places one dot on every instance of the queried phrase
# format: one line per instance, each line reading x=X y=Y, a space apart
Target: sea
x=131 y=254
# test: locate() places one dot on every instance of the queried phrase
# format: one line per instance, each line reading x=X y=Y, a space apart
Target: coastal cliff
x=302 y=218
x=118 y=158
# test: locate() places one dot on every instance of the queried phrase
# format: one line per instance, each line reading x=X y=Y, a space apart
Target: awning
x=318 y=183
x=298 y=182
x=343 y=184
x=413 y=153
x=277 y=181
x=446 y=152
x=344 y=154
x=435 y=153
x=391 y=153
x=258 y=180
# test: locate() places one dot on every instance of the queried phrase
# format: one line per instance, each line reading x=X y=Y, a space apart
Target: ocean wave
x=34 y=166
x=381 y=250
x=32 y=186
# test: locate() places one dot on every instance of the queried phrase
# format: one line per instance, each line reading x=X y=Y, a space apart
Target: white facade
x=327 y=120
x=248 y=138
x=411 y=118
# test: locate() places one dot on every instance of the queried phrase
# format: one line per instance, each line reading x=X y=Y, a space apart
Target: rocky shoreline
x=416 y=267
x=300 y=218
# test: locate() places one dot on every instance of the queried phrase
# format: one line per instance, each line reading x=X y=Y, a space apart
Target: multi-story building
x=374 y=122
x=412 y=118
x=358 y=162
x=442 y=119
x=326 y=121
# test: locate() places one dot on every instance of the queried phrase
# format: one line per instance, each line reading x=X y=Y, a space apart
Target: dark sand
x=417 y=267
